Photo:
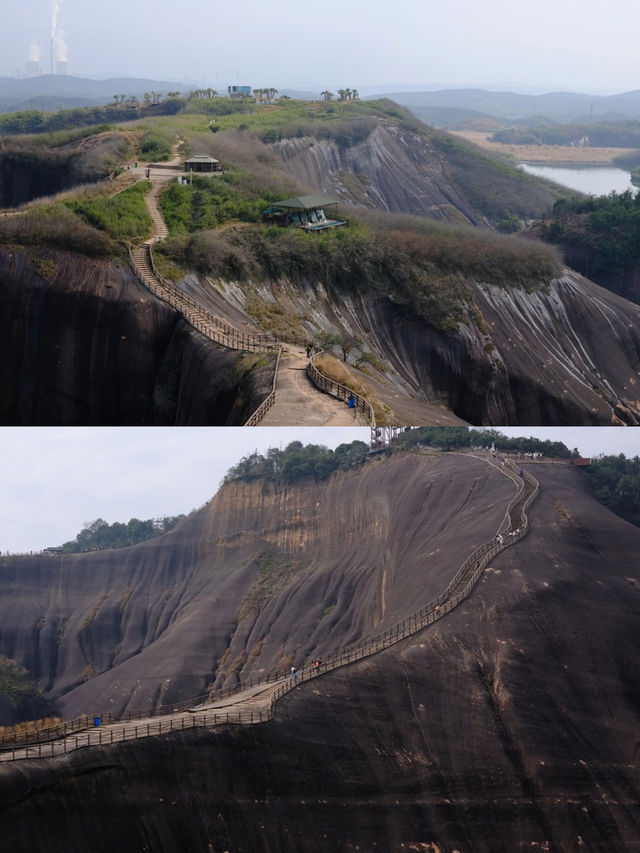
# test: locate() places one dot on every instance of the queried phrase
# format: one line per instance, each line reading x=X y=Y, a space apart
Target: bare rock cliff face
x=626 y=284
x=567 y=355
x=81 y=342
x=392 y=169
x=261 y=576
x=511 y=724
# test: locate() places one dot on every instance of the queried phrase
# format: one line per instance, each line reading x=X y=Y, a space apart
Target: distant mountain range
x=58 y=91
x=511 y=106
x=444 y=107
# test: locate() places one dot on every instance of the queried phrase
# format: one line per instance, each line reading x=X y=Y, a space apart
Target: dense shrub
x=209 y=202
x=426 y=265
x=58 y=227
x=38 y=121
x=155 y=146
x=219 y=106
x=123 y=216
x=608 y=226
x=624 y=134
x=452 y=438
x=492 y=185
x=345 y=133
x=616 y=483
x=14 y=680
x=298 y=462
x=99 y=535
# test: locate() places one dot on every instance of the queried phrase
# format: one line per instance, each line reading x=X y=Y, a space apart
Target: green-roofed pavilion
x=304 y=211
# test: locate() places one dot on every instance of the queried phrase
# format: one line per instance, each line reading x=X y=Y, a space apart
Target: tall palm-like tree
x=327 y=95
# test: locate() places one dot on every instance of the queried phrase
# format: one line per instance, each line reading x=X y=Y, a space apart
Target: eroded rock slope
x=262 y=576
x=565 y=355
x=82 y=342
x=512 y=724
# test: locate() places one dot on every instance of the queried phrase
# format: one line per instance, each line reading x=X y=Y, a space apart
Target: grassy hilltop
x=425 y=263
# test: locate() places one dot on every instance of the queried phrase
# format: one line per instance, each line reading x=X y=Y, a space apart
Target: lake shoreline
x=560 y=155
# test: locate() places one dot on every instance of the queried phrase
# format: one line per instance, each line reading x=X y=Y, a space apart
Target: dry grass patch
x=339 y=372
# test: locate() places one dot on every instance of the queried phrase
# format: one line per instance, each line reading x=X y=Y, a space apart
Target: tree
x=327 y=95
x=345 y=346
x=328 y=339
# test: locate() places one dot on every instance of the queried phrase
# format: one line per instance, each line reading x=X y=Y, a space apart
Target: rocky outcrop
x=568 y=354
x=391 y=170
x=82 y=342
x=404 y=169
x=247 y=584
x=511 y=724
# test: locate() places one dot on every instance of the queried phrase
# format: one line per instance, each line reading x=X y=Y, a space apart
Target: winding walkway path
x=255 y=703
x=295 y=399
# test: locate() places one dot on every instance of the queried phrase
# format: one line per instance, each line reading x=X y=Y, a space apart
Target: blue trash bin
x=96 y=721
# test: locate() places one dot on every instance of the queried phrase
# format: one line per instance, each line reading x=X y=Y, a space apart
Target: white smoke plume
x=60 y=50
x=55 y=8
x=33 y=54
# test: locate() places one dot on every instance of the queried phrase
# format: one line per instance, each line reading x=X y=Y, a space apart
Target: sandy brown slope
x=263 y=575
x=512 y=724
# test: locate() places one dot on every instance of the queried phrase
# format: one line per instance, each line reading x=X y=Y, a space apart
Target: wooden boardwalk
x=255 y=703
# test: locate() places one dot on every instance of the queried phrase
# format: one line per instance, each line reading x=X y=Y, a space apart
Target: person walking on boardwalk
x=293 y=673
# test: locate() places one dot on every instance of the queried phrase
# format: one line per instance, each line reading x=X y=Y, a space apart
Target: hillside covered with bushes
x=419 y=283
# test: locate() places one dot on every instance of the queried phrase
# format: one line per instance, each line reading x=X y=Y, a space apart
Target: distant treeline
x=616 y=483
x=38 y=121
x=623 y=134
x=607 y=226
x=298 y=462
x=100 y=534
x=454 y=438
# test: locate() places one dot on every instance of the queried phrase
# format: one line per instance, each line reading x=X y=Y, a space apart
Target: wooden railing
x=204 y=321
x=74 y=734
x=336 y=389
x=266 y=404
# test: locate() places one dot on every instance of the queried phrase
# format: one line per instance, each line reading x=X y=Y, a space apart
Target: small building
x=202 y=164
x=306 y=212
x=579 y=461
x=239 y=91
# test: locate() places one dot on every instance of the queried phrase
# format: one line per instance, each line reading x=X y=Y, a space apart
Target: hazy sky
x=56 y=479
x=552 y=44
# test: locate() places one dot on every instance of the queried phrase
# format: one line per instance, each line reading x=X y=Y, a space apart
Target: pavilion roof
x=305 y=202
